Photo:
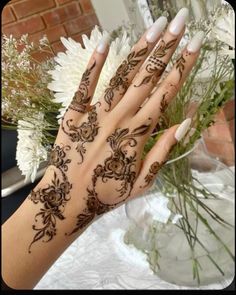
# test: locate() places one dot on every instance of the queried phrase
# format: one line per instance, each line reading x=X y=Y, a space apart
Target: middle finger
x=151 y=72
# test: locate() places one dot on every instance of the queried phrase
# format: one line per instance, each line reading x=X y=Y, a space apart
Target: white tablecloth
x=99 y=259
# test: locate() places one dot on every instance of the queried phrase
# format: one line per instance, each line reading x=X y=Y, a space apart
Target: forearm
x=24 y=263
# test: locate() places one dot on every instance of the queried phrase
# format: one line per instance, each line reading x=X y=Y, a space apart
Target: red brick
x=220 y=149
x=229 y=109
x=232 y=129
x=220 y=116
x=62 y=14
x=58 y=47
x=7 y=15
x=30 y=26
x=29 y=7
x=61 y=2
x=86 y=6
x=220 y=131
x=77 y=38
x=80 y=24
x=229 y=162
x=53 y=34
x=42 y=56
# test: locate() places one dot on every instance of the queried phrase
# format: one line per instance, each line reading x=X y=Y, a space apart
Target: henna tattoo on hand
x=86 y=132
x=119 y=166
x=164 y=103
x=167 y=96
x=81 y=97
x=120 y=80
x=153 y=170
x=57 y=156
x=155 y=66
x=180 y=65
x=53 y=197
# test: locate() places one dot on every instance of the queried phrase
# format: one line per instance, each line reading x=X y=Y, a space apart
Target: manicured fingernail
x=196 y=42
x=182 y=129
x=177 y=24
x=156 y=29
x=102 y=45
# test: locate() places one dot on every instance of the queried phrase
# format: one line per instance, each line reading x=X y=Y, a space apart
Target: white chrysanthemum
x=29 y=151
x=70 y=66
x=224 y=31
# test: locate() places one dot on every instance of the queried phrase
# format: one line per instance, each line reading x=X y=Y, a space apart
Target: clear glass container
x=202 y=253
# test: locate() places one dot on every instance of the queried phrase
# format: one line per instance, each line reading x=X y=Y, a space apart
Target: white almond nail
x=102 y=45
x=196 y=42
x=182 y=129
x=177 y=24
x=156 y=29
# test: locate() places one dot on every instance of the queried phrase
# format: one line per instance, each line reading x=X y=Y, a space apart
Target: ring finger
x=160 y=99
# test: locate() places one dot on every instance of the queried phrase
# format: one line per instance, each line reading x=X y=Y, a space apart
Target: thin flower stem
x=202 y=245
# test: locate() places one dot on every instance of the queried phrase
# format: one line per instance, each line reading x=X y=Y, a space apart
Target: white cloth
x=99 y=259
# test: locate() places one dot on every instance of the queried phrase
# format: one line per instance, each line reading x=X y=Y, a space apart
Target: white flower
x=70 y=66
x=224 y=31
x=30 y=152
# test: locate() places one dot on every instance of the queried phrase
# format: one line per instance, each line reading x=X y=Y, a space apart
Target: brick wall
x=55 y=18
x=219 y=138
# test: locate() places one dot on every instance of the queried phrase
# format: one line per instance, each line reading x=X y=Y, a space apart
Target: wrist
x=65 y=200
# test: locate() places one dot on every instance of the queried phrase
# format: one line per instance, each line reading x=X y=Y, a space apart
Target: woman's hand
x=96 y=164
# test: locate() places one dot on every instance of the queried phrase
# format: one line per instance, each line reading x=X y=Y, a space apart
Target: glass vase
x=185 y=222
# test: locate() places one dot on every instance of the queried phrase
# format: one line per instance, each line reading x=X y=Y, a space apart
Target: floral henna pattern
x=120 y=80
x=180 y=66
x=153 y=170
x=53 y=197
x=155 y=66
x=81 y=97
x=57 y=156
x=119 y=166
x=167 y=96
x=86 y=132
x=164 y=103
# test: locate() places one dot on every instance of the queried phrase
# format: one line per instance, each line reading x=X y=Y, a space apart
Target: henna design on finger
x=180 y=65
x=81 y=98
x=120 y=81
x=164 y=103
x=155 y=66
x=153 y=170
x=167 y=96
x=84 y=133
x=119 y=166
x=53 y=197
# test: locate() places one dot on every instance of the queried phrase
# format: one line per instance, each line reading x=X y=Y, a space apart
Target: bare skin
x=95 y=165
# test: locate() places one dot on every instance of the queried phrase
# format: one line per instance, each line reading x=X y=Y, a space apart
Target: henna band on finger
x=155 y=66
x=120 y=81
x=81 y=99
